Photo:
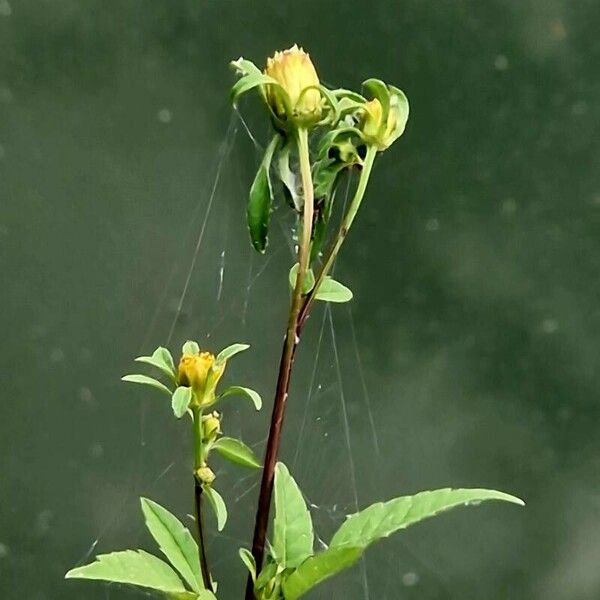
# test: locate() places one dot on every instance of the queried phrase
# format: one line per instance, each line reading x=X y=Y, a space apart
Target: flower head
x=200 y=372
x=380 y=130
x=297 y=97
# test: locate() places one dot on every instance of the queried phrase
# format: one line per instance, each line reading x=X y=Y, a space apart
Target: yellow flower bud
x=372 y=124
x=205 y=475
x=199 y=372
x=299 y=98
x=211 y=426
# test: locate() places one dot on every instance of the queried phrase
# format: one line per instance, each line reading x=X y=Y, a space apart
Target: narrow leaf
x=134 y=567
x=237 y=452
x=309 y=279
x=218 y=505
x=331 y=290
x=175 y=541
x=382 y=519
x=145 y=380
x=230 y=351
x=249 y=561
x=161 y=359
x=180 y=400
x=316 y=569
x=190 y=347
x=244 y=391
x=293 y=528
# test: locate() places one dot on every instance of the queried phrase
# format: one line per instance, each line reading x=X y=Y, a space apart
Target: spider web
x=319 y=446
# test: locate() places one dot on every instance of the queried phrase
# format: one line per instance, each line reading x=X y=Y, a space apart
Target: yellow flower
x=299 y=97
x=372 y=124
x=199 y=372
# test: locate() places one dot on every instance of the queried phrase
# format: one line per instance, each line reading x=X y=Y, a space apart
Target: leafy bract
x=230 y=351
x=161 y=359
x=293 y=529
x=180 y=400
x=190 y=347
x=331 y=290
x=316 y=569
x=237 y=452
x=145 y=380
x=243 y=391
x=384 y=518
x=175 y=541
x=309 y=279
x=261 y=199
x=134 y=567
x=248 y=560
x=218 y=505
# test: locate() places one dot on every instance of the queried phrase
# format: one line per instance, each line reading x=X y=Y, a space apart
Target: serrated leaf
x=133 y=567
x=230 y=351
x=309 y=279
x=161 y=359
x=293 y=529
x=384 y=518
x=145 y=380
x=243 y=391
x=175 y=541
x=249 y=561
x=331 y=290
x=180 y=400
x=237 y=452
x=218 y=505
x=318 y=568
x=190 y=347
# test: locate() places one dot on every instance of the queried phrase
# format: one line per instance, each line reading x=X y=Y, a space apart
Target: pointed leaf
x=244 y=391
x=145 y=380
x=237 y=452
x=175 y=541
x=384 y=518
x=201 y=595
x=180 y=400
x=190 y=347
x=317 y=568
x=331 y=290
x=218 y=505
x=261 y=199
x=161 y=359
x=230 y=351
x=248 y=560
x=134 y=567
x=293 y=529
x=309 y=279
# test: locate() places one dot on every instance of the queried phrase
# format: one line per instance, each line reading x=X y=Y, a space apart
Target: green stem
x=342 y=233
x=198 y=463
x=285 y=366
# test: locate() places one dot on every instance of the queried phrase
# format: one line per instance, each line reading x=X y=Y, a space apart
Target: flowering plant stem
x=285 y=367
x=198 y=463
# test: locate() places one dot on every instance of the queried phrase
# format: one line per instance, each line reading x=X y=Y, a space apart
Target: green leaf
x=201 y=595
x=261 y=199
x=175 y=541
x=190 y=347
x=309 y=279
x=161 y=359
x=180 y=400
x=230 y=351
x=218 y=505
x=145 y=380
x=245 y=67
x=316 y=569
x=133 y=567
x=380 y=91
x=249 y=82
x=331 y=290
x=243 y=391
x=289 y=179
x=293 y=528
x=237 y=452
x=384 y=518
x=400 y=102
x=249 y=561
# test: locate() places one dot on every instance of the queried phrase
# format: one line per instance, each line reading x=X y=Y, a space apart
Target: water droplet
x=5 y=8
x=165 y=115
x=501 y=62
x=3 y=550
x=97 y=450
x=410 y=579
x=549 y=325
x=57 y=355
x=432 y=225
x=509 y=206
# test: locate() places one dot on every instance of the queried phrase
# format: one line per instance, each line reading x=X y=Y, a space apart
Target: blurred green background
x=473 y=336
